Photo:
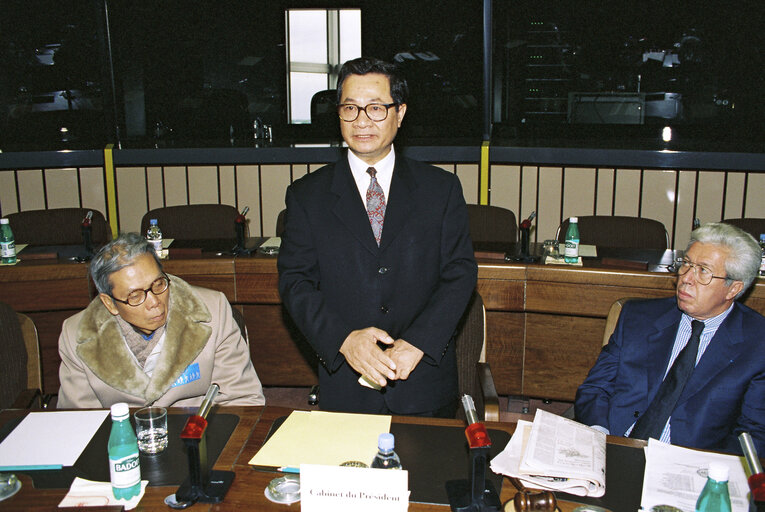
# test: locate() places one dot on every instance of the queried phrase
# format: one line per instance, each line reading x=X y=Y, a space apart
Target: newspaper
x=556 y=454
x=675 y=476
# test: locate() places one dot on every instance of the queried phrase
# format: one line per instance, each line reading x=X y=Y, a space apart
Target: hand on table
x=362 y=353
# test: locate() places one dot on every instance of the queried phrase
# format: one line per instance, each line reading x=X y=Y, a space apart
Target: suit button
x=382 y=270
x=384 y=309
x=636 y=414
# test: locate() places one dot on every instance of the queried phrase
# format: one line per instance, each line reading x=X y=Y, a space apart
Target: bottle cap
x=3 y=221
x=386 y=441
x=120 y=411
x=152 y=222
x=574 y=219
x=718 y=471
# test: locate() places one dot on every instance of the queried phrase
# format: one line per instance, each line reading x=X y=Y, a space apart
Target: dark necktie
x=375 y=205
x=652 y=422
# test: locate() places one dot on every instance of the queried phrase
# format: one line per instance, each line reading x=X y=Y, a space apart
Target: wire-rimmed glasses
x=137 y=297
x=702 y=274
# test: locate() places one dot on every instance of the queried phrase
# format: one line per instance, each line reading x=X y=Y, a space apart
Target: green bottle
x=7 y=242
x=571 y=254
x=124 y=462
x=715 y=496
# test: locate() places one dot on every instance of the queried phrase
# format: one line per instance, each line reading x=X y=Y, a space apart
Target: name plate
x=337 y=488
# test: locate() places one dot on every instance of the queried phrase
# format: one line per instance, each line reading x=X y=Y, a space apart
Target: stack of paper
x=675 y=476
x=556 y=454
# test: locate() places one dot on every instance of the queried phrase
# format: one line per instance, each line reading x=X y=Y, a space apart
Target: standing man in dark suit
x=636 y=387
x=376 y=266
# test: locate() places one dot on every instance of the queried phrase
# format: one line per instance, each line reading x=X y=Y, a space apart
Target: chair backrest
x=470 y=340
x=194 y=221
x=492 y=224
x=280 y=220
x=58 y=226
x=613 y=316
x=324 y=112
x=19 y=355
x=239 y=319
x=753 y=226
x=618 y=231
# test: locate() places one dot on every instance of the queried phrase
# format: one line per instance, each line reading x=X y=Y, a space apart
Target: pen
x=289 y=469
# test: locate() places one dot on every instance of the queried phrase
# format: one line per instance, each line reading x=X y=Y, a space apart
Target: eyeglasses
x=703 y=274
x=137 y=297
x=349 y=112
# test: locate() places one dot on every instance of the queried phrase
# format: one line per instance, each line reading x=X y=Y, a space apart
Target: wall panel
x=8 y=201
x=578 y=191
x=658 y=201
x=92 y=189
x=755 y=196
x=605 y=191
x=248 y=193
x=31 y=190
x=203 y=185
x=734 y=195
x=155 y=179
x=505 y=189
x=549 y=204
x=62 y=188
x=468 y=175
x=175 y=182
x=627 y=195
x=709 y=200
x=686 y=208
x=131 y=186
x=273 y=178
x=227 y=188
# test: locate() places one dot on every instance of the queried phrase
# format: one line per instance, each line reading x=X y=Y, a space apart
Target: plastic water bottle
x=386 y=457
x=154 y=236
x=571 y=254
x=762 y=247
x=715 y=496
x=7 y=242
x=124 y=462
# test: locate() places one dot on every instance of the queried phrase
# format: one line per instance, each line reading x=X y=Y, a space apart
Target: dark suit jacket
x=724 y=396
x=333 y=278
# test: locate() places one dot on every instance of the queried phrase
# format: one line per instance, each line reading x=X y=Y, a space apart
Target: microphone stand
x=757 y=479
x=240 y=224
x=87 y=233
x=476 y=494
x=203 y=485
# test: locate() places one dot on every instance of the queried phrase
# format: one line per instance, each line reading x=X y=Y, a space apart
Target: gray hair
x=116 y=255
x=745 y=255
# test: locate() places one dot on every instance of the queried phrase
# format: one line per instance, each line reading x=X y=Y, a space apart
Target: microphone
x=525 y=229
x=757 y=480
x=526 y=224
x=240 y=223
x=86 y=231
x=475 y=432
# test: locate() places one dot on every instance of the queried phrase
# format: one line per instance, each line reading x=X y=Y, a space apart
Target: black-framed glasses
x=349 y=112
x=137 y=297
x=703 y=274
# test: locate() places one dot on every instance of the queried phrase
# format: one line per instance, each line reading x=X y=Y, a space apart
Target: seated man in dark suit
x=644 y=384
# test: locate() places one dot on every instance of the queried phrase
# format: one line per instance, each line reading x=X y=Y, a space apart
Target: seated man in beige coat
x=150 y=338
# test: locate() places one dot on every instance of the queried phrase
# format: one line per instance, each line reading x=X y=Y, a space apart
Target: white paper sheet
x=343 y=489
x=36 y=443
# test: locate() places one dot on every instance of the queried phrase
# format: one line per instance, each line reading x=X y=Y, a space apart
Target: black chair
x=194 y=221
x=58 y=226
x=324 y=120
x=492 y=224
x=753 y=226
x=618 y=231
x=21 y=373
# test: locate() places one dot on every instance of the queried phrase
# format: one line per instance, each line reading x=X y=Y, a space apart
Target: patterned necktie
x=375 y=205
x=653 y=420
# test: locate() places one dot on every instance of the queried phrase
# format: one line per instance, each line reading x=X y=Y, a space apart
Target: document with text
x=557 y=454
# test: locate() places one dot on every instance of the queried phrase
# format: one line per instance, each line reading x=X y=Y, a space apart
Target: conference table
x=247 y=491
x=544 y=322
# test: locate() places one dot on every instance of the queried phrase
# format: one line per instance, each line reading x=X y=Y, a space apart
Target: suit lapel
x=348 y=207
x=399 y=203
x=659 y=346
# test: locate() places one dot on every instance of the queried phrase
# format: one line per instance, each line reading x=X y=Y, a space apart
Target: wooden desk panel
x=505 y=345
x=215 y=273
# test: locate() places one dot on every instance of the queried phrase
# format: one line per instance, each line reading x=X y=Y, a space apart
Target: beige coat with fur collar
x=98 y=369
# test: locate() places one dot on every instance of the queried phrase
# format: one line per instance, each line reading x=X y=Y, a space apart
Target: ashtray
x=284 y=489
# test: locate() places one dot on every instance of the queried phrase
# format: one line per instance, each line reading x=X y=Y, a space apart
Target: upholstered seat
x=194 y=221
x=492 y=224
x=618 y=231
x=58 y=226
